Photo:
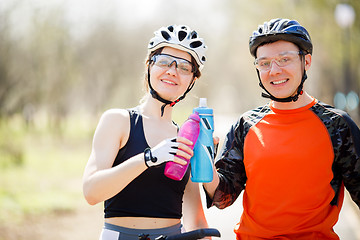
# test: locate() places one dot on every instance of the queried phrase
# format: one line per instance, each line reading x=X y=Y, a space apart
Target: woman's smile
x=167 y=81
x=279 y=82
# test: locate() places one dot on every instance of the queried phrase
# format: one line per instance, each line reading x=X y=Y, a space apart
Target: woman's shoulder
x=115 y=117
x=115 y=124
x=116 y=113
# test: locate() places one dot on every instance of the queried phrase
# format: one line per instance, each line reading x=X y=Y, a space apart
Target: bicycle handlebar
x=194 y=235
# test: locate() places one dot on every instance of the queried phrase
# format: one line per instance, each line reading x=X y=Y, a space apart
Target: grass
x=40 y=171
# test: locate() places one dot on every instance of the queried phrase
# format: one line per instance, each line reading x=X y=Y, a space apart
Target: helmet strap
x=288 y=99
x=155 y=95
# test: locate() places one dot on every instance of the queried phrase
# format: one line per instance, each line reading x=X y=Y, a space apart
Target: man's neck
x=303 y=100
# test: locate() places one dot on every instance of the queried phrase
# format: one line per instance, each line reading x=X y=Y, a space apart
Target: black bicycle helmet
x=281 y=29
x=183 y=38
x=287 y=30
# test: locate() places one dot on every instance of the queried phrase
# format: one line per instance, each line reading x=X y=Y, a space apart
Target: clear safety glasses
x=165 y=61
x=282 y=60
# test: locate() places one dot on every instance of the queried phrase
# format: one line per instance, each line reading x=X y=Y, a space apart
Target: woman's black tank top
x=151 y=194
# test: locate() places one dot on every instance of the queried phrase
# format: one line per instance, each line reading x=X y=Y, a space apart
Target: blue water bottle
x=201 y=162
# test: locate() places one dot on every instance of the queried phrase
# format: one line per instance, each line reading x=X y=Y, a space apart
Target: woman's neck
x=152 y=108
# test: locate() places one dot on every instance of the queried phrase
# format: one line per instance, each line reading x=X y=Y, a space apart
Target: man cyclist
x=292 y=157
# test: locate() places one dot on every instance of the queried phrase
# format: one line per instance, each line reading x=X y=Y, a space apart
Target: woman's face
x=169 y=82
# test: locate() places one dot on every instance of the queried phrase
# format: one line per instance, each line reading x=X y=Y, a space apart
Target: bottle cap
x=195 y=116
x=203 y=102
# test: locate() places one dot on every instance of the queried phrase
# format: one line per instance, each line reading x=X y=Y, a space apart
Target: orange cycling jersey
x=293 y=165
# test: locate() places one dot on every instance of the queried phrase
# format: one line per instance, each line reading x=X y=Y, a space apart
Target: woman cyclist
x=130 y=147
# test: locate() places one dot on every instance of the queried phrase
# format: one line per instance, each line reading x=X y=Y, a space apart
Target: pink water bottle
x=190 y=130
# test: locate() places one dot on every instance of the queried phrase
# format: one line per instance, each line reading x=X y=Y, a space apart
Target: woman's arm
x=193 y=212
x=100 y=180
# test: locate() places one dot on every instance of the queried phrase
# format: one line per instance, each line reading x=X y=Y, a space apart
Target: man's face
x=281 y=67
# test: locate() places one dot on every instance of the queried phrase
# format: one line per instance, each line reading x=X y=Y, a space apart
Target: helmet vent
x=195 y=44
x=193 y=35
x=182 y=35
x=165 y=35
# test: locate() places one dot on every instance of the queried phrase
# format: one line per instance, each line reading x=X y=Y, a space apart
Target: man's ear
x=308 y=59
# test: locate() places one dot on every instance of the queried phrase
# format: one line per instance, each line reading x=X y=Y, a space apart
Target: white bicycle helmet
x=183 y=38
x=180 y=37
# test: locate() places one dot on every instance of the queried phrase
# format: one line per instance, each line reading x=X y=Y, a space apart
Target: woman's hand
x=172 y=149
